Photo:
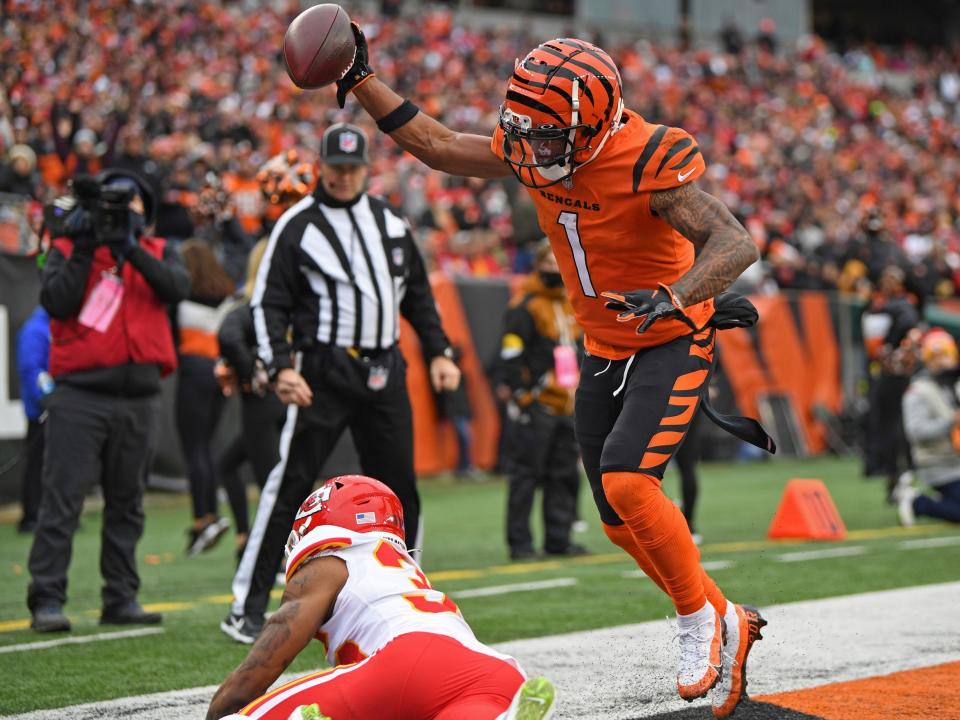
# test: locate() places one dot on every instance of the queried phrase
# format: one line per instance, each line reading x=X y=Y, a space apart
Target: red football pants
x=418 y=676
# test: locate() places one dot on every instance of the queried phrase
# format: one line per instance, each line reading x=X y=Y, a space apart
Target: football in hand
x=319 y=46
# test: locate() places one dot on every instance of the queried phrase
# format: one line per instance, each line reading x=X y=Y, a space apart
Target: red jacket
x=139 y=333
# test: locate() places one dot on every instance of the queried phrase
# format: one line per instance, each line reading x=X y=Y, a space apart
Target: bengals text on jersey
x=605 y=237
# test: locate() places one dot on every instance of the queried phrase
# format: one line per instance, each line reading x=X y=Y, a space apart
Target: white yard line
x=79 y=640
x=709 y=566
x=515 y=587
x=930 y=542
x=805 y=555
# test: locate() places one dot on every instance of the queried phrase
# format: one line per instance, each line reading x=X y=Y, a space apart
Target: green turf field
x=464 y=549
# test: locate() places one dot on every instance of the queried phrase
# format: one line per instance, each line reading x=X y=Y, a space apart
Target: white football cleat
x=743 y=630
x=700 y=656
x=904 y=493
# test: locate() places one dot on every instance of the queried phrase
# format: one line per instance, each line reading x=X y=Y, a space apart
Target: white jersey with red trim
x=386 y=595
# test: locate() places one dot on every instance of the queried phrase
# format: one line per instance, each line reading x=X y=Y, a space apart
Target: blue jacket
x=33 y=357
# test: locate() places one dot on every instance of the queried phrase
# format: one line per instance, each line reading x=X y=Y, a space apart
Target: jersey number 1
x=569 y=222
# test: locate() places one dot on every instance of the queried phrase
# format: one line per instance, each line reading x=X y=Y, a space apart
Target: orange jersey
x=248 y=200
x=605 y=236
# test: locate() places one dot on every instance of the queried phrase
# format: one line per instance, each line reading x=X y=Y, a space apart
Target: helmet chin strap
x=614 y=126
x=558 y=172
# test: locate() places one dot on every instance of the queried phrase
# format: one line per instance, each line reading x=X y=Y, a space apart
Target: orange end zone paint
x=931 y=692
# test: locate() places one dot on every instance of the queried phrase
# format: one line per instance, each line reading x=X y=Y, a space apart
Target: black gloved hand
x=653 y=304
x=121 y=248
x=78 y=226
x=359 y=72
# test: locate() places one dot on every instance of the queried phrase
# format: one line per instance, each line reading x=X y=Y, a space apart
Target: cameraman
x=106 y=285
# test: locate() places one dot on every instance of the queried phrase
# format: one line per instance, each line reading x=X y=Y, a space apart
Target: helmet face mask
x=544 y=155
x=562 y=104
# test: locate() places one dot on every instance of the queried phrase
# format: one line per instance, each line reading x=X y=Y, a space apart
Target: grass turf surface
x=464 y=532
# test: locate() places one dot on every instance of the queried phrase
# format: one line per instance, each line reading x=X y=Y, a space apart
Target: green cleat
x=308 y=712
x=535 y=700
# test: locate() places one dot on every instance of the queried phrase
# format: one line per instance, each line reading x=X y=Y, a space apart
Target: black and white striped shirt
x=341 y=275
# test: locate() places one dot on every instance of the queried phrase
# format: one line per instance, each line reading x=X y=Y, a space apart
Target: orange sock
x=662 y=537
x=621 y=536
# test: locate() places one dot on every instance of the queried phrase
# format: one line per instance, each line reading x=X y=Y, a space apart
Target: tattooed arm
x=724 y=248
x=307 y=603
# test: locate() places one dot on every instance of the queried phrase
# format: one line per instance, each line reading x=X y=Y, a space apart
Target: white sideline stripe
x=822 y=554
x=708 y=566
x=930 y=542
x=516 y=587
x=81 y=640
x=717 y=565
x=806 y=644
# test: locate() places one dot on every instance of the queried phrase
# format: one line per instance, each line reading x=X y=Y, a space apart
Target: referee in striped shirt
x=340 y=269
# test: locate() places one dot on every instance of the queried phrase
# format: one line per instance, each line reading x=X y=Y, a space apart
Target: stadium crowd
x=839 y=163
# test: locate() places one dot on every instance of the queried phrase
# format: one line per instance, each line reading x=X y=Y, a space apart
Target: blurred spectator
x=18 y=175
x=539 y=357
x=216 y=223
x=178 y=196
x=454 y=406
x=110 y=344
x=262 y=413
x=76 y=146
x=888 y=324
x=134 y=156
x=806 y=144
x=199 y=401
x=33 y=360
x=931 y=418
x=241 y=183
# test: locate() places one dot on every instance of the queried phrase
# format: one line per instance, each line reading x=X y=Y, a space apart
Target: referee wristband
x=398 y=117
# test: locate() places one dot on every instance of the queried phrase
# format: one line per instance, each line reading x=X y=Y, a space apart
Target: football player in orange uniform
x=617 y=197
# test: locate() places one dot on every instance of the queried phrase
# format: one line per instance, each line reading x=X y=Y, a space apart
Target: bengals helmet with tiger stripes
x=562 y=103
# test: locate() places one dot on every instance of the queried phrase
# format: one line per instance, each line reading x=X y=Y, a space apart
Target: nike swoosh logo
x=683 y=176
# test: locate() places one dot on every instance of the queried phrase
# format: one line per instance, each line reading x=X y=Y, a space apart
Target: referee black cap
x=344 y=144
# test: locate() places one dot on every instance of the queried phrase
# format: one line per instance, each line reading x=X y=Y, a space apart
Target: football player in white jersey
x=400 y=650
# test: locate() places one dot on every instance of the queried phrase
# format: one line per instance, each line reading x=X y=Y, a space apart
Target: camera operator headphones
x=110 y=176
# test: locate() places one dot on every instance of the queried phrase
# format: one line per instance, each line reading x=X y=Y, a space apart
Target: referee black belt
x=367 y=353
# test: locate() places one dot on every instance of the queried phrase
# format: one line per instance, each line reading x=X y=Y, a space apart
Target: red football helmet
x=563 y=102
x=353 y=502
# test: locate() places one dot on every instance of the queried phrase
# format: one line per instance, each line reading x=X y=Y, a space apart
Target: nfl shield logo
x=377 y=379
x=397 y=254
x=348 y=142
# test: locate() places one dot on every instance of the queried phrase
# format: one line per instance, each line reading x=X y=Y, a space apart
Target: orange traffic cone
x=807 y=512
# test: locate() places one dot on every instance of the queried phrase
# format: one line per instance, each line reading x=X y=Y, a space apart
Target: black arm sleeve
x=236 y=342
x=518 y=332
x=274 y=300
x=419 y=307
x=168 y=277
x=64 y=280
